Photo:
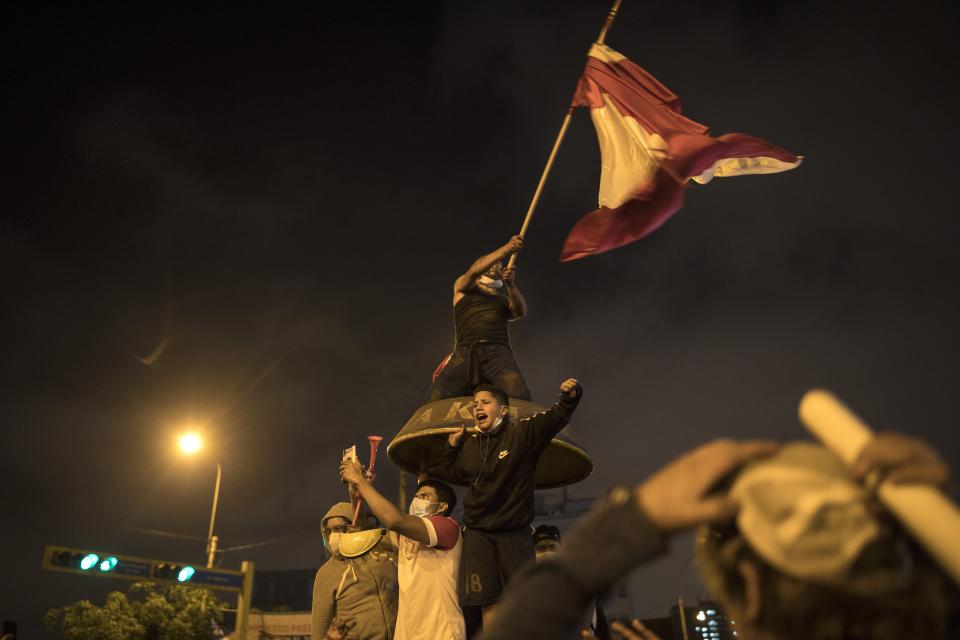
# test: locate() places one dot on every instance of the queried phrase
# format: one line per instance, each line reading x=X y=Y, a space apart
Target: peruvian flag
x=649 y=151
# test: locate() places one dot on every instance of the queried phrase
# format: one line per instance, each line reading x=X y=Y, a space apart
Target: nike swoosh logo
x=503 y=454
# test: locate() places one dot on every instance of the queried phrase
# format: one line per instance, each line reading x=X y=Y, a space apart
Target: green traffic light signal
x=170 y=571
x=115 y=566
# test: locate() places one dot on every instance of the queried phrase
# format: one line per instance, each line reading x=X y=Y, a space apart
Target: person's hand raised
x=569 y=387
x=513 y=245
x=351 y=472
x=678 y=496
x=901 y=460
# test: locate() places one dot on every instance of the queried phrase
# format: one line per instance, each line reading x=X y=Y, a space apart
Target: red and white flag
x=648 y=152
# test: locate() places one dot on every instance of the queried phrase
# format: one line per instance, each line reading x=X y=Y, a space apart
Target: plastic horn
x=374 y=445
x=356 y=511
x=931 y=517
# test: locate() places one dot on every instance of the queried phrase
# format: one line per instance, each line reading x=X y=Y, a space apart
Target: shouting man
x=485 y=299
x=498 y=463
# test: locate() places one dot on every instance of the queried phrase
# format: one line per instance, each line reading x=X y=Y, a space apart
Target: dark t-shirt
x=478 y=317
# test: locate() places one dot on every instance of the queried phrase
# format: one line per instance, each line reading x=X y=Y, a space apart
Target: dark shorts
x=469 y=366
x=489 y=560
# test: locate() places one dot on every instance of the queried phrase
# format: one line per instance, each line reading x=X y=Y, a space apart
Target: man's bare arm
x=518 y=304
x=388 y=514
x=481 y=264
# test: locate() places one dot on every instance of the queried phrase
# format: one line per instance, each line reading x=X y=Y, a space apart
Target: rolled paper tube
x=834 y=424
x=930 y=516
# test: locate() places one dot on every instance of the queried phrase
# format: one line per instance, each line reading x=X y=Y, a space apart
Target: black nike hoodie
x=499 y=468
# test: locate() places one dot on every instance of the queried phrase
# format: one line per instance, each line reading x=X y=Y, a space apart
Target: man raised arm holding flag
x=485 y=299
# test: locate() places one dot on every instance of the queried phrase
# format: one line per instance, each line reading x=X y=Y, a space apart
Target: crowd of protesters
x=791 y=540
x=817 y=558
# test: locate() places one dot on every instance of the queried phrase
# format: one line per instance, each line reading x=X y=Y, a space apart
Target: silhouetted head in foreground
x=812 y=555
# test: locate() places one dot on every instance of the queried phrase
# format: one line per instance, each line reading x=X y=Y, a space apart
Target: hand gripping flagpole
x=563 y=132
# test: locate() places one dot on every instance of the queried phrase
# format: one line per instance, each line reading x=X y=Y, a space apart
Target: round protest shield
x=420 y=444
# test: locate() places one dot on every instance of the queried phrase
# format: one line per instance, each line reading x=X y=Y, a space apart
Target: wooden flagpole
x=563 y=132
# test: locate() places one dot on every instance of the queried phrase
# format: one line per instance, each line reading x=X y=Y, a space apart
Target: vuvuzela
x=374 y=445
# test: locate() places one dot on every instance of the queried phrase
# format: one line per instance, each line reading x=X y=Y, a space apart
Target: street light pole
x=212 y=539
x=245 y=600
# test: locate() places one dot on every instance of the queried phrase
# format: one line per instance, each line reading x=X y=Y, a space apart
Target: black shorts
x=482 y=362
x=489 y=560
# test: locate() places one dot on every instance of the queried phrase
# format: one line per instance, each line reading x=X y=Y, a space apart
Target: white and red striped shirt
x=427 y=574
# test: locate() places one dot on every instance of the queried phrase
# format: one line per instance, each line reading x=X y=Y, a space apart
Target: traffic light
x=109 y=565
x=95 y=563
x=84 y=561
x=113 y=565
x=170 y=571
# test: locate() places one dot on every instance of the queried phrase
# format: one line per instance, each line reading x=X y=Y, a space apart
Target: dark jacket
x=499 y=468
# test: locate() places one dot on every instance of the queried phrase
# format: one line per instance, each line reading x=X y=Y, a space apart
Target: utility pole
x=212 y=539
x=244 y=600
x=683 y=617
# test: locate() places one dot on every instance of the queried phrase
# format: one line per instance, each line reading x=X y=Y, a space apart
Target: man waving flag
x=648 y=152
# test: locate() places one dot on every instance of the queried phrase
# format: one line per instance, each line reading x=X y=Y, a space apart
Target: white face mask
x=496 y=425
x=420 y=507
x=333 y=543
x=490 y=282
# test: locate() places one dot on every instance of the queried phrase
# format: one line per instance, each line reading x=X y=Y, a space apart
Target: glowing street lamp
x=190 y=443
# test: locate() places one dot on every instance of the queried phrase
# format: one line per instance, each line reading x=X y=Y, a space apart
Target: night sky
x=249 y=218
